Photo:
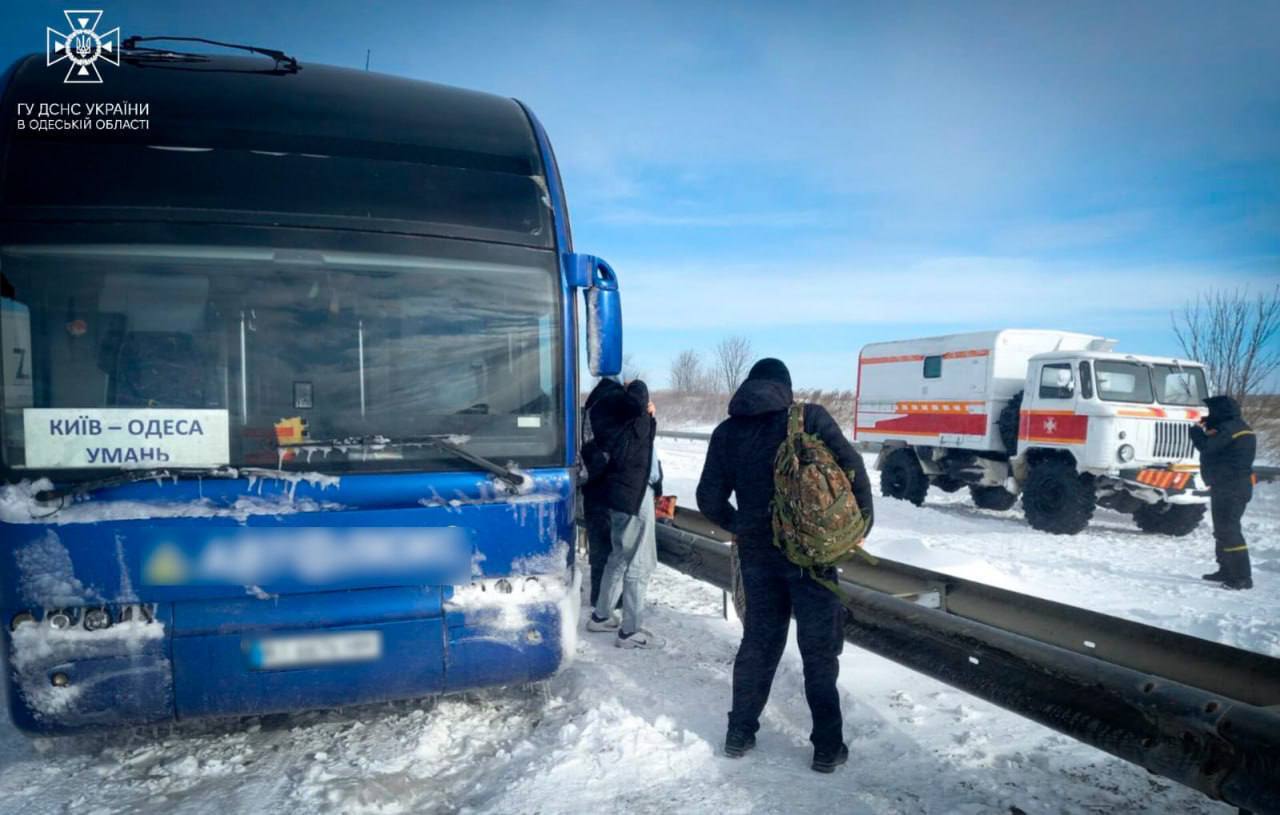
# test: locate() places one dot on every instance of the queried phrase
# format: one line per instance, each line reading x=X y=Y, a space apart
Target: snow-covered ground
x=1111 y=567
x=629 y=731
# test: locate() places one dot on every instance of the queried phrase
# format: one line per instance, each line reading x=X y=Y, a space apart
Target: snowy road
x=623 y=731
x=1111 y=567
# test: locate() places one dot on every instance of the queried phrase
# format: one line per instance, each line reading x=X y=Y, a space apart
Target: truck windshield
x=1179 y=385
x=147 y=356
x=1123 y=381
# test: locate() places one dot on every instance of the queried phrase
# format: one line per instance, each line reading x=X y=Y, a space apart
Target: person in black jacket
x=740 y=462
x=1227 y=447
x=625 y=429
x=595 y=509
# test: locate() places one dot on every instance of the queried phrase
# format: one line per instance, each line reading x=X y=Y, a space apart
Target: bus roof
x=319 y=145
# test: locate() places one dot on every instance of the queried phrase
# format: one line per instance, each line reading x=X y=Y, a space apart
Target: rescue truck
x=1057 y=417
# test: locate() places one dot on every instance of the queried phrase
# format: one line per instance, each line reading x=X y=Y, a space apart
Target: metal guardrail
x=1197 y=712
x=680 y=434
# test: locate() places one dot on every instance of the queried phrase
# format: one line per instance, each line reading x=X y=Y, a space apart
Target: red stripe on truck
x=975 y=352
x=1053 y=427
x=931 y=424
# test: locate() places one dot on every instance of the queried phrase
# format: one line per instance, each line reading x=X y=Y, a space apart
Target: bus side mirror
x=604 y=313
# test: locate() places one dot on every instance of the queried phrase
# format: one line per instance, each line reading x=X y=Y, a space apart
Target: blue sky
x=816 y=176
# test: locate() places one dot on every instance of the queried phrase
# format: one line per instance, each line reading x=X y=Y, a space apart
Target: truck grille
x=1173 y=440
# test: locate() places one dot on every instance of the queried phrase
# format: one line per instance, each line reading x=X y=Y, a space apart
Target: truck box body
x=948 y=391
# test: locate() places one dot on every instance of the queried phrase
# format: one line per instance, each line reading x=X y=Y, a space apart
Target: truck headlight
x=1125 y=452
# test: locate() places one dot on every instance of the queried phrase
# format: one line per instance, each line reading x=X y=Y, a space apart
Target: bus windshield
x=1179 y=385
x=115 y=356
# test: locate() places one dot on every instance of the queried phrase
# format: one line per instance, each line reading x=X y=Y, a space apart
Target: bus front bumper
x=269 y=654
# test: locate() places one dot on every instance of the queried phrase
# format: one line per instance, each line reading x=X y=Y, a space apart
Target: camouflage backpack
x=816 y=519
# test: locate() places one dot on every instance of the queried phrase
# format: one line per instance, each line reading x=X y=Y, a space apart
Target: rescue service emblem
x=82 y=47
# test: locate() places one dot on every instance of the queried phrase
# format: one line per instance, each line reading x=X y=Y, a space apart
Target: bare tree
x=686 y=373
x=706 y=381
x=732 y=355
x=1236 y=334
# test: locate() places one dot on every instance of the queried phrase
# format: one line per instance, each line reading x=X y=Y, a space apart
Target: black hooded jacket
x=1227 y=445
x=594 y=458
x=740 y=460
x=623 y=435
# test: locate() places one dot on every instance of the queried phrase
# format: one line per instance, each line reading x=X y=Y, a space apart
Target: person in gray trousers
x=633 y=476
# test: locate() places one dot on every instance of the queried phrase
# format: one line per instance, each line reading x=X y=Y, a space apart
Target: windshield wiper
x=133 y=476
x=282 y=60
x=490 y=466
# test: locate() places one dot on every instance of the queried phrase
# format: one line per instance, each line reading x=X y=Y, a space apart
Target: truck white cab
x=1055 y=416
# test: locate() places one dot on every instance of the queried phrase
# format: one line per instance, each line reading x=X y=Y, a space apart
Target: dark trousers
x=1226 y=505
x=599 y=543
x=775 y=589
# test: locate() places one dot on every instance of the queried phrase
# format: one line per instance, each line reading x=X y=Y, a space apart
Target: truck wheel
x=997 y=498
x=902 y=477
x=1169 y=519
x=1057 y=499
x=1009 y=420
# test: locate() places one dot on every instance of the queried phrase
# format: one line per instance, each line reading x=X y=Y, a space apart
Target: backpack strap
x=795 y=419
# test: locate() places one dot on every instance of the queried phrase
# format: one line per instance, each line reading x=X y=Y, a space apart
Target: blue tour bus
x=288 y=415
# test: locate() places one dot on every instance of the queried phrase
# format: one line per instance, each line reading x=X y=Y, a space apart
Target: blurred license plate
x=315 y=649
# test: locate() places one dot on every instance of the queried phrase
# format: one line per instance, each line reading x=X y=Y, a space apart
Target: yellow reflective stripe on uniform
x=1242 y=433
x=1237 y=549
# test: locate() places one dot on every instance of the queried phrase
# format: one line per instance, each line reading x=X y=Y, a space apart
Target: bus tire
x=1175 y=520
x=903 y=478
x=996 y=498
x=1056 y=499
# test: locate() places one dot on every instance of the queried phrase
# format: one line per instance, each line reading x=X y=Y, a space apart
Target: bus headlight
x=20 y=618
x=1125 y=452
x=60 y=620
x=96 y=619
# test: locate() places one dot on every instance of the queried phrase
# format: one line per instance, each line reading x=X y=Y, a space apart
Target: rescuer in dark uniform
x=1227 y=447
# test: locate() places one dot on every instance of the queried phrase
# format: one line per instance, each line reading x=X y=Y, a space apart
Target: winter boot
x=1238 y=583
x=736 y=743
x=1217 y=577
x=826 y=762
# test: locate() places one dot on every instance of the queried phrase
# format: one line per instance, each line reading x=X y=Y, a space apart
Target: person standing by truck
x=740 y=462
x=1227 y=447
